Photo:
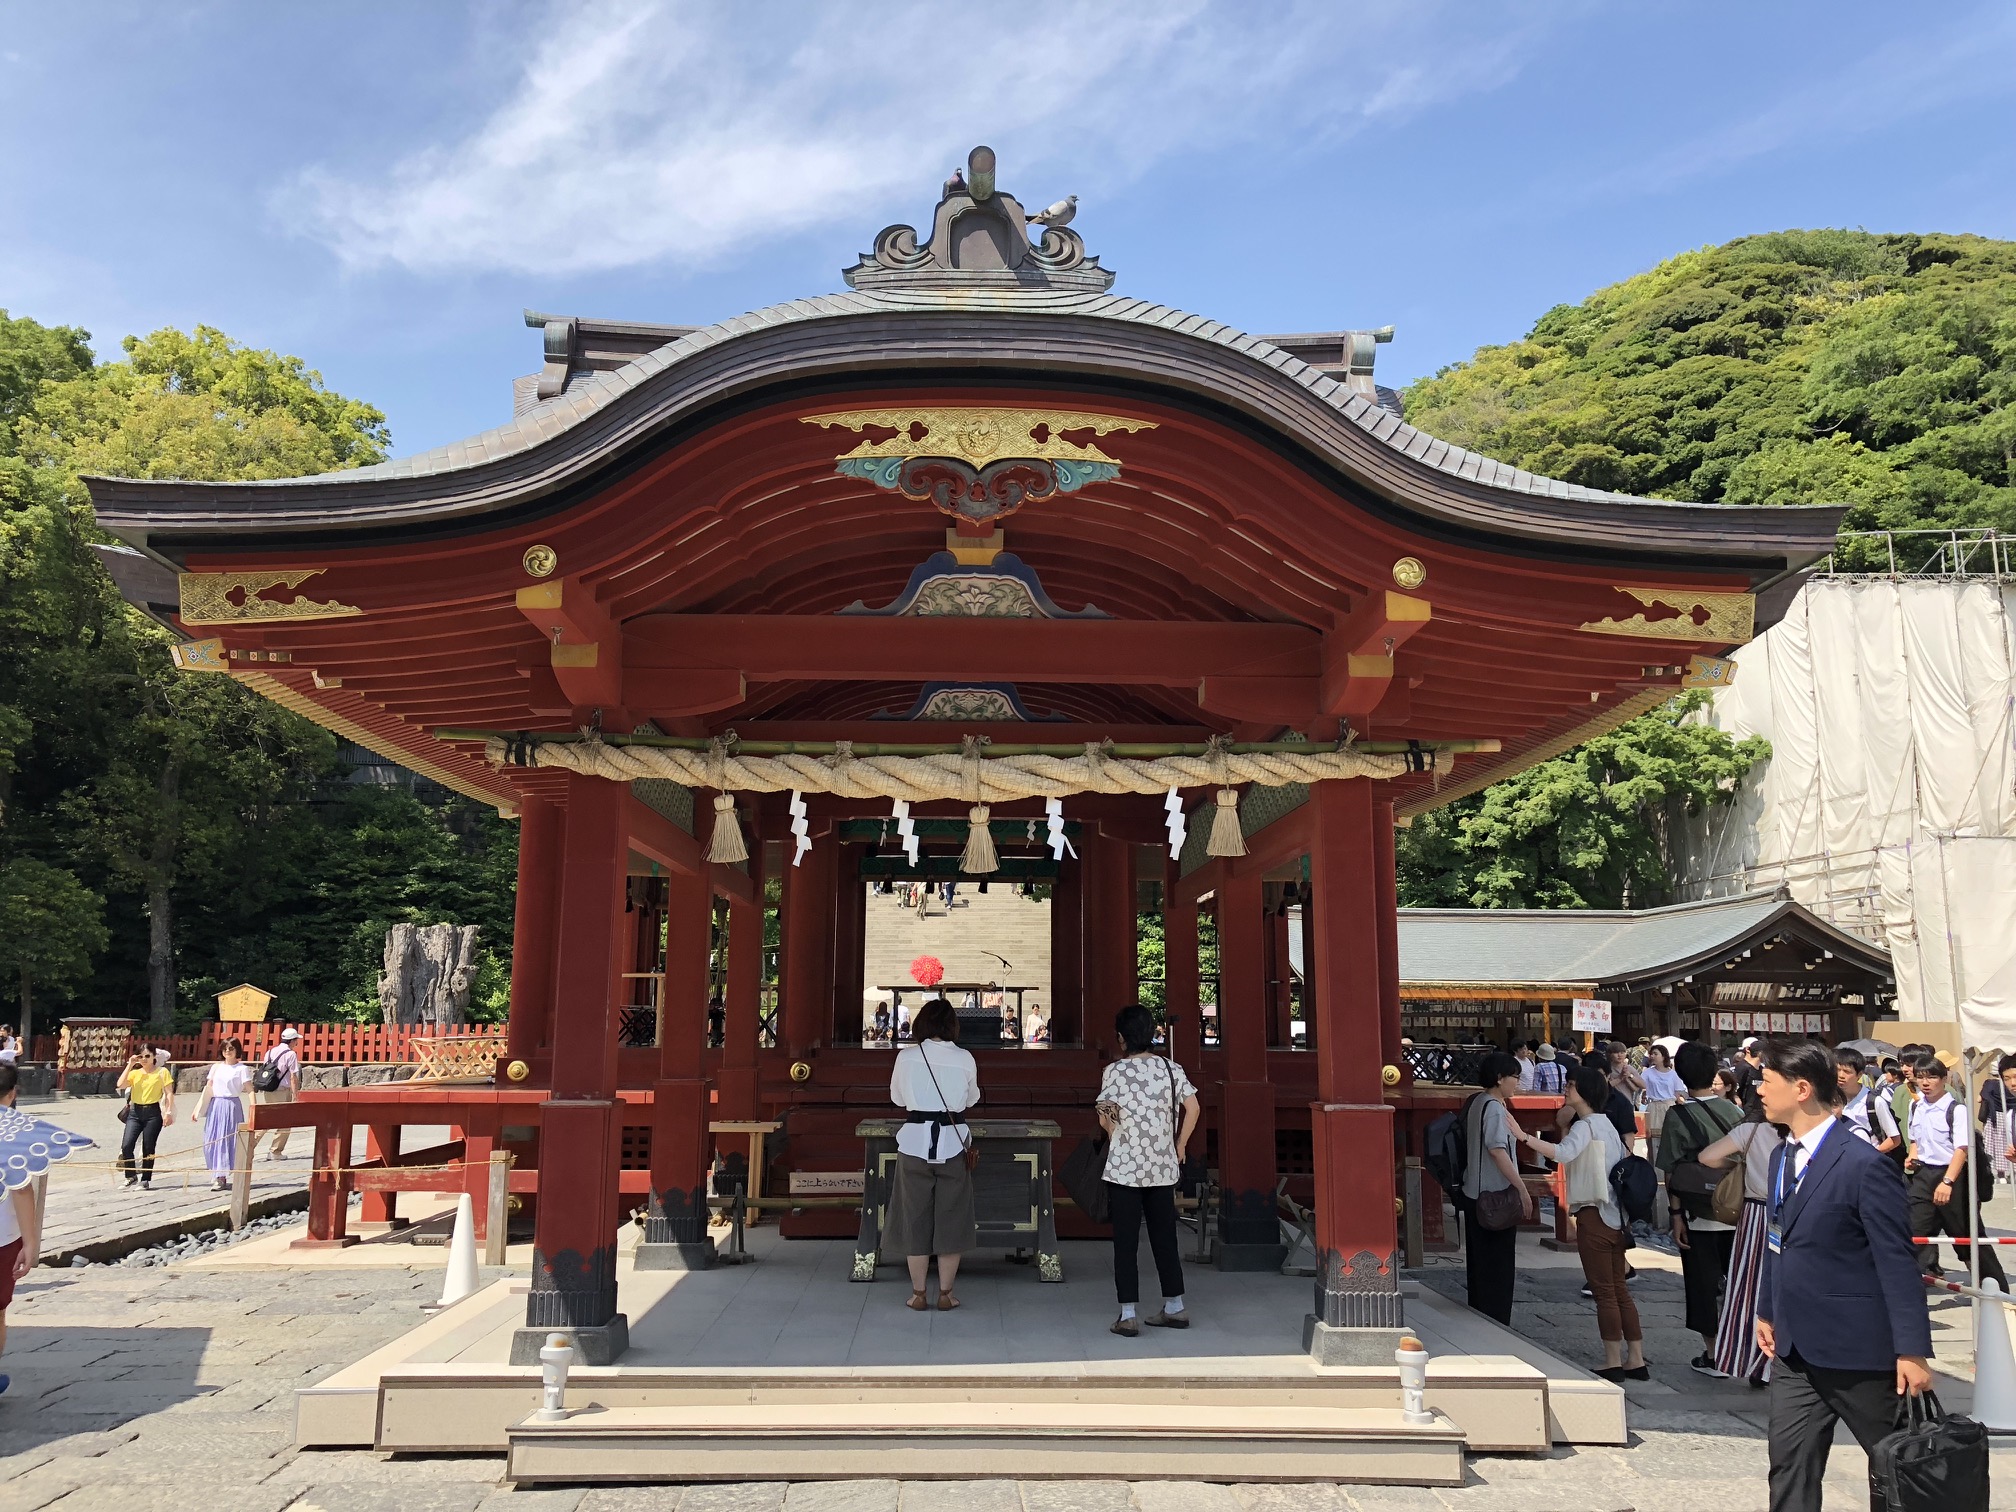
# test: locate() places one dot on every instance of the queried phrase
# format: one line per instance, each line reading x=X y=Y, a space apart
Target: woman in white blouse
x=1662 y=1090
x=222 y=1109
x=931 y=1199
x=1148 y=1109
x=1589 y=1149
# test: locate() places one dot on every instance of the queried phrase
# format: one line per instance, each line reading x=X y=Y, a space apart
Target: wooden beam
x=826 y=648
x=1358 y=652
x=584 y=645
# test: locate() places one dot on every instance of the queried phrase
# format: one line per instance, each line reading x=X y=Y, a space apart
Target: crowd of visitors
x=1800 y=1183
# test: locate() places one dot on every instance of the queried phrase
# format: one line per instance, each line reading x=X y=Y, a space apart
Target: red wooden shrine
x=975 y=495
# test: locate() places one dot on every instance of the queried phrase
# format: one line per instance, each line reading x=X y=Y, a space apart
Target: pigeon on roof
x=1059 y=214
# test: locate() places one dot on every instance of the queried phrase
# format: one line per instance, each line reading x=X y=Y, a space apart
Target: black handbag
x=1933 y=1463
x=1083 y=1176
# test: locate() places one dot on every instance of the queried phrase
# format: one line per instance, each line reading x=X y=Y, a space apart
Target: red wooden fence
x=351 y=1043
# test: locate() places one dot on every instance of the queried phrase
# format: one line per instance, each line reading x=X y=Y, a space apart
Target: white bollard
x=1412 y=1358
x=1994 y=1367
x=553 y=1362
x=461 y=1278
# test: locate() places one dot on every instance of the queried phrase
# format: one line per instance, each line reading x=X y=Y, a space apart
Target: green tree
x=1799 y=367
x=51 y=925
x=1588 y=829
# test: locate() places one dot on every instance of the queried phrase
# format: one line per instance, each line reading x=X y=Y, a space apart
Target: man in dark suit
x=1840 y=1306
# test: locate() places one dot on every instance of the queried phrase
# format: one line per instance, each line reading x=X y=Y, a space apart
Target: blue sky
x=381 y=189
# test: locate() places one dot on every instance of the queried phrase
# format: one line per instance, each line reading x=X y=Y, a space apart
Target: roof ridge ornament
x=980 y=240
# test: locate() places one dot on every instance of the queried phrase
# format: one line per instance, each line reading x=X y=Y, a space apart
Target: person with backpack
x=1938 y=1169
x=1704 y=1241
x=1590 y=1150
x=1547 y=1079
x=276 y=1079
x=1750 y=1143
x=1495 y=1198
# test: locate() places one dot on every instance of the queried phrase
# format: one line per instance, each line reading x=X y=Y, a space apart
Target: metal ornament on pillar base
x=574 y=1295
x=1249 y=1233
x=1358 y=1318
x=675 y=1233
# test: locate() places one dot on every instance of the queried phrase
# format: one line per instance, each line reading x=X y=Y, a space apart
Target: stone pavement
x=171 y=1389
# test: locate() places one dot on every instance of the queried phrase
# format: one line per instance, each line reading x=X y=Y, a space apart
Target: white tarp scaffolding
x=1887 y=806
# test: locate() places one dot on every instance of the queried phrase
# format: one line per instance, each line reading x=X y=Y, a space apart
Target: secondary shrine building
x=975 y=562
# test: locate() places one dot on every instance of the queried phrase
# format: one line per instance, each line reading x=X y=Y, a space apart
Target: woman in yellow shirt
x=149 y=1084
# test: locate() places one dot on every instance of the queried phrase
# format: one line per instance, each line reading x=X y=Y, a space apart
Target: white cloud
x=675 y=134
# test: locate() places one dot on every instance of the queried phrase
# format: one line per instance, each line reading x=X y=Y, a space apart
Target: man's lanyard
x=1774 y=1234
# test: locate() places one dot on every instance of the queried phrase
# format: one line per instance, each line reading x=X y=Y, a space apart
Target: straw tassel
x=1226 y=839
x=979 y=858
x=726 y=843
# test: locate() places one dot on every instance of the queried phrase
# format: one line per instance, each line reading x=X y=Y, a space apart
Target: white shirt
x=1800 y=1152
x=1931 y=1137
x=1870 y=1116
x=10 y=1049
x=912 y=1087
x=1662 y=1086
x=228 y=1080
x=1525 y=1074
x=1589 y=1149
x=10 y=1224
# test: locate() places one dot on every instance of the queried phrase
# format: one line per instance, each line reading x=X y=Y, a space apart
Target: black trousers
x=1806 y=1402
x=1127 y=1206
x=1929 y=1218
x=1704 y=1268
x=1491 y=1264
x=143 y=1129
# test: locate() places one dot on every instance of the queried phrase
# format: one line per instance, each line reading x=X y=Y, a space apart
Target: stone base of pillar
x=601 y=1344
x=675 y=1256
x=1349 y=1346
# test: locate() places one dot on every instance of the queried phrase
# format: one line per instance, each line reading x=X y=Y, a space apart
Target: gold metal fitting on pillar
x=801 y=1071
x=517 y=1071
x=1390 y=1075
x=1399 y=1206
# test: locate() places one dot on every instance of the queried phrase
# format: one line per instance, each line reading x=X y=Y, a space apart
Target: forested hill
x=1799 y=367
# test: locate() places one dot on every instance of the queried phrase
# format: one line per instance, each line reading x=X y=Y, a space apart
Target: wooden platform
x=801 y=1351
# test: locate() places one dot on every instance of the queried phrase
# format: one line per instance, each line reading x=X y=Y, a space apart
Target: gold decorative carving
x=801 y=1071
x=975 y=598
x=980 y=436
x=1390 y=1075
x=540 y=561
x=517 y=1071
x=1725 y=618
x=1708 y=672
x=206 y=598
x=200 y=656
x=1408 y=572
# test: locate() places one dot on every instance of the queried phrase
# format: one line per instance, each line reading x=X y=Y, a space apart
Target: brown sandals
x=917 y=1302
x=946 y=1301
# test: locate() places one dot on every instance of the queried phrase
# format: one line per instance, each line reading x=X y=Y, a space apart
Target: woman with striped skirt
x=1736 y=1351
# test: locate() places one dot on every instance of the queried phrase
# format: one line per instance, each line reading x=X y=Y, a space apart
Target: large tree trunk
x=161 y=904
x=27 y=1026
x=428 y=971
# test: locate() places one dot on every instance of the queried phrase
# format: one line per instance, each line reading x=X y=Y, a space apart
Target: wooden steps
x=1028 y=1439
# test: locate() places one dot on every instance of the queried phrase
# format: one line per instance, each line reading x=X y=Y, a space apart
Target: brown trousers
x=1602 y=1251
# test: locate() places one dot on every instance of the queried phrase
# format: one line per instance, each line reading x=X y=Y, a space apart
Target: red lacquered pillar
x=743 y=1002
x=534 y=930
x=1387 y=907
x=574 y=1245
x=1249 y=1231
x=1066 y=1008
x=1179 y=980
x=1111 y=965
x=807 y=933
x=675 y=1223
x=1357 y=1314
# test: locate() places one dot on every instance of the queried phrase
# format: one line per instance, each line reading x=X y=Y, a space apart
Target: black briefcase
x=1933 y=1463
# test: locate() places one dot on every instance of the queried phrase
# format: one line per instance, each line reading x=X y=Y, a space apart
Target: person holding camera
x=149 y=1084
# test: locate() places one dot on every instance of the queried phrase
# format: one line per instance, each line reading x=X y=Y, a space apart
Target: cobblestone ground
x=171 y=1389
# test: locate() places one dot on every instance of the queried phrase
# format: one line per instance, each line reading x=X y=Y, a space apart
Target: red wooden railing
x=349 y=1043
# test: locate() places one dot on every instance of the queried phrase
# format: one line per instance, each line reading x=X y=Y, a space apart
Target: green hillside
x=1793 y=368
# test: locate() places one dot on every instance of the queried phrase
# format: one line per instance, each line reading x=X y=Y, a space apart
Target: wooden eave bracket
x=1358 y=652
x=584 y=645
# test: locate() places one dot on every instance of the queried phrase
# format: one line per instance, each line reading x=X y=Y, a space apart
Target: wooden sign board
x=826 y=1183
x=243 y=1004
x=1592 y=1016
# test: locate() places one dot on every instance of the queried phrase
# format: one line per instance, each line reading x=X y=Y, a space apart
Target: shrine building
x=978 y=572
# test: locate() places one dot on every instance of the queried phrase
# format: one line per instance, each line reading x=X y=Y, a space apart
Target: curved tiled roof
x=1108 y=336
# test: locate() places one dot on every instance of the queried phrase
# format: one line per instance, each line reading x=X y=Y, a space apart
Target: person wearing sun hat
x=281 y=1066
